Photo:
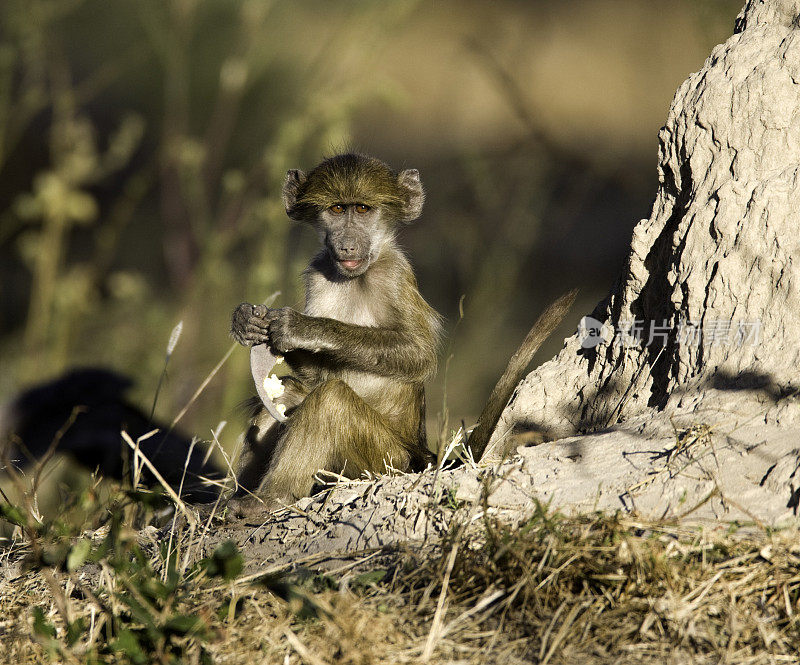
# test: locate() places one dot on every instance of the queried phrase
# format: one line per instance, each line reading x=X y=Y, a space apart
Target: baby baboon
x=363 y=346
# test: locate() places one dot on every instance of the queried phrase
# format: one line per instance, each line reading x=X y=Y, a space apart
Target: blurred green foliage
x=165 y=123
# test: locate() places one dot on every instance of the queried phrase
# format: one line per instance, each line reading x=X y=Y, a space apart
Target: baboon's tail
x=515 y=370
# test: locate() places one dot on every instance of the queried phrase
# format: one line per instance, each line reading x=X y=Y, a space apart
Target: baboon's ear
x=414 y=194
x=294 y=179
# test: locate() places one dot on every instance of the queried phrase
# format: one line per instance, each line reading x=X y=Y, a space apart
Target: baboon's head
x=355 y=202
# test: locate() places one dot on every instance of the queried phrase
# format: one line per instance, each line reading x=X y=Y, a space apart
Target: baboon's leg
x=262 y=438
x=333 y=429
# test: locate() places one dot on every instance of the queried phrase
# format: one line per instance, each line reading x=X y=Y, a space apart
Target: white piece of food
x=273 y=386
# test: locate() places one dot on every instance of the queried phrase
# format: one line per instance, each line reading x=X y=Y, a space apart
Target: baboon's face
x=353 y=234
x=355 y=202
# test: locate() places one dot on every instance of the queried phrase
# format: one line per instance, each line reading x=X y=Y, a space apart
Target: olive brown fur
x=362 y=347
x=352 y=178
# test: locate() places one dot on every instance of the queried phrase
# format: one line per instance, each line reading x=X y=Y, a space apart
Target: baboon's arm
x=408 y=352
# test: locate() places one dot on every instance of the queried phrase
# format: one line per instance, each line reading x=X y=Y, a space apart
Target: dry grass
x=595 y=588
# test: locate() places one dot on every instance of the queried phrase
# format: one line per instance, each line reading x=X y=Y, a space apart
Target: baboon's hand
x=250 y=324
x=284 y=330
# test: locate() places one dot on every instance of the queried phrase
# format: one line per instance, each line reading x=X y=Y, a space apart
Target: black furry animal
x=30 y=424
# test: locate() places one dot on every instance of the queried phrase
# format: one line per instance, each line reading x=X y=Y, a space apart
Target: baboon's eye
x=337 y=209
x=361 y=208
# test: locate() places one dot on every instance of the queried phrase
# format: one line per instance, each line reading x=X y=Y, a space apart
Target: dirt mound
x=713 y=472
x=708 y=307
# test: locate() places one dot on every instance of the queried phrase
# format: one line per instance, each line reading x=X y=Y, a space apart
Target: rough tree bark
x=718 y=250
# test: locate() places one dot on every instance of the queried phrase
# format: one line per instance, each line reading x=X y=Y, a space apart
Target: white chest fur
x=346 y=301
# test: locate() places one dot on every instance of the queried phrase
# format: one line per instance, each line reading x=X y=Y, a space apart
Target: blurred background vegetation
x=143 y=144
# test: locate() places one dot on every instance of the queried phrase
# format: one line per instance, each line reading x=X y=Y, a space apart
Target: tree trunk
x=711 y=279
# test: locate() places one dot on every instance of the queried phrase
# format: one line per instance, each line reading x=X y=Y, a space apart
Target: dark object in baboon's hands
x=82 y=414
x=363 y=345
